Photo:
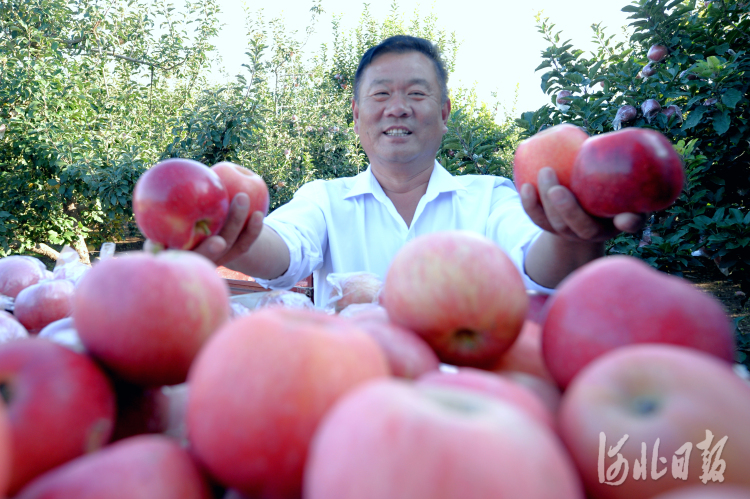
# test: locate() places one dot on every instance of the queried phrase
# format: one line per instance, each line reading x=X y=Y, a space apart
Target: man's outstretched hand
x=235 y=238
x=555 y=209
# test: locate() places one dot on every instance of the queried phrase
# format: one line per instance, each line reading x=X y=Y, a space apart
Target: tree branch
x=44 y=250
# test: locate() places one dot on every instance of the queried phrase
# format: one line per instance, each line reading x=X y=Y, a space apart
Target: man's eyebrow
x=413 y=81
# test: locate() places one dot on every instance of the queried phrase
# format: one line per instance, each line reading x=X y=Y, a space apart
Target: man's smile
x=397 y=132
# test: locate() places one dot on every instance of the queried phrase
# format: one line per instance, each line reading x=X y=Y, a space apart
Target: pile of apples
x=457 y=383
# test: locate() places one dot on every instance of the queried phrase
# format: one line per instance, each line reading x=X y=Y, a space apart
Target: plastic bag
x=352 y=287
x=69 y=266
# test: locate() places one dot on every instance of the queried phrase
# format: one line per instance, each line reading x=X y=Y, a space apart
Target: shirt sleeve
x=512 y=229
x=301 y=225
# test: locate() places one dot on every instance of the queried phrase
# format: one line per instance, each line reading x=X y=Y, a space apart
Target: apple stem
x=202 y=227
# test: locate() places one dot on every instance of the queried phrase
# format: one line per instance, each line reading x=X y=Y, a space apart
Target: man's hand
x=235 y=238
x=555 y=209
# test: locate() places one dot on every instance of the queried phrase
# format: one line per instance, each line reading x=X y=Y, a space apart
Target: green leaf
x=721 y=122
x=731 y=97
x=694 y=117
x=720 y=49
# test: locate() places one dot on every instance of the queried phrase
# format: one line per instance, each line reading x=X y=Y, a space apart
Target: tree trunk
x=44 y=250
x=79 y=244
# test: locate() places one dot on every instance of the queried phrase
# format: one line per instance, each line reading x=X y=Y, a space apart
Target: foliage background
x=93 y=93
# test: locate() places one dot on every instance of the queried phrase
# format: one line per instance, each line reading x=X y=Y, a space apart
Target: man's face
x=399 y=117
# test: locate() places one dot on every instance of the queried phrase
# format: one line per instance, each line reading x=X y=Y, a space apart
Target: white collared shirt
x=350 y=225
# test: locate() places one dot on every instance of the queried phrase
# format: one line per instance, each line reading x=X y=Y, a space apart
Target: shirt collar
x=440 y=181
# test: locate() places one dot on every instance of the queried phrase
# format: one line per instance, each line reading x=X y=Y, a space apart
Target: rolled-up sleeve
x=512 y=229
x=301 y=225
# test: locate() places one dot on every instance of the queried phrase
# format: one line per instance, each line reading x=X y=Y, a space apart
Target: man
x=400 y=109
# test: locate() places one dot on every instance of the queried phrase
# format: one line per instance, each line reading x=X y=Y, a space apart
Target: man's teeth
x=397 y=132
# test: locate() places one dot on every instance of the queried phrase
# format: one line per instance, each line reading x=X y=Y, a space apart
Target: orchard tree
x=694 y=89
x=85 y=89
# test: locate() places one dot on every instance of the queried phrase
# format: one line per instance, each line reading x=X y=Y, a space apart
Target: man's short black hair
x=400 y=44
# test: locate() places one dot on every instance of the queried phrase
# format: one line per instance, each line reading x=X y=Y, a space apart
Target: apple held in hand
x=649 y=392
x=620 y=300
x=391 y=440
x=180 y=202
x=142 y=467
x=460 y=292
x=60 y=403
x=555 y=147
x=238 y=179
x=146 y=316
x=634 y=170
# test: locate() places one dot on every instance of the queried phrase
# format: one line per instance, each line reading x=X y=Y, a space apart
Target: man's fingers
x=631 y=222
x=246 y=238
x=552 y=196
x=236 y=217
x=212 y=247
x=533 y=207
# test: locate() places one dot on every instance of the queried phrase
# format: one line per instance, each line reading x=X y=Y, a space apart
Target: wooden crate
x=240 y=283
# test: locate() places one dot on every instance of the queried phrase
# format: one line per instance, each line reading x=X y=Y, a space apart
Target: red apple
x=6 y=450
x=492 y=385
x=620 y=300
x=150 y=410
x=408 y=355
x=546 y=390
x=525 y=355
x=146 y=316
x=561 y=97
x=43 y=303
x=650 y=108
x=259 y=388
x=19 y=272
x=61 y=405
x=238 y=179
x=717 y=491
x=634 y=170
x=10 y=328
x=672 y=110
x=179 y=202
x=460 y=292
x=556 y=147
x=143 y=467
x=649 y=70
x=624 y=114
x=353 y=287
x=63 y=332
x=388 y=439
x=648 y=392
x=657 y=53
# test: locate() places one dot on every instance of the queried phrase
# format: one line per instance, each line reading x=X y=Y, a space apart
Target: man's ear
x=445 y=114
x=355 y=113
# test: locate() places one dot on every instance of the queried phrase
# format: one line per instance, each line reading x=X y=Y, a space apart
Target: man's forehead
x=411 y=81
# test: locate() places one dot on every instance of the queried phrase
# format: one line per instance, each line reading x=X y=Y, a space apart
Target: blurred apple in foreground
x=43 y=303
x=460 y=292
x=665 y=393
x=555 y=147
x=18 y=272
x=236 y=179
x=391 y=440
x=146 y=316
x=10 y=328
x=143 y=467
x=259 y=388
x=407 y=354
x=179 y=202
x=714 y=491
x=620 y=300
x=492 y=385
x=60 y=403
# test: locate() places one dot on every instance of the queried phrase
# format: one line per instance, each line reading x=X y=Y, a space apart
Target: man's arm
x=254 y=250
x=572 y=238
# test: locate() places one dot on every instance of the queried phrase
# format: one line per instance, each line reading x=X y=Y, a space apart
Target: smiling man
x=400 y=110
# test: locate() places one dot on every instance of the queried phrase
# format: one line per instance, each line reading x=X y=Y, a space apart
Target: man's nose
x=398 y=106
